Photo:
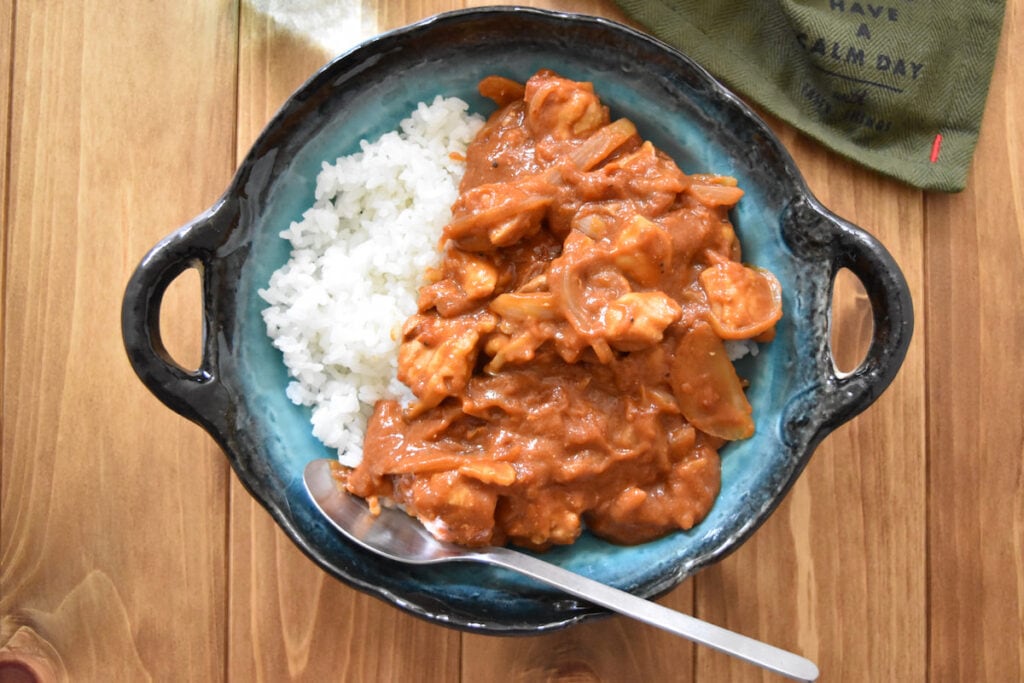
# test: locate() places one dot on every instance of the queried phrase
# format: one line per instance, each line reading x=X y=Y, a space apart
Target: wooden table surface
x=130 y=551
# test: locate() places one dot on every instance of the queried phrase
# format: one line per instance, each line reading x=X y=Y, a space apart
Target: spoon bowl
x=397 y=536
x=392 y=533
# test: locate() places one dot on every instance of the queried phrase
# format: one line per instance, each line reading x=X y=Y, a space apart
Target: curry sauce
x=568 y=355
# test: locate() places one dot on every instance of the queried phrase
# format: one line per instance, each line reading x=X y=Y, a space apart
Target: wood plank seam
x=926 y=438
x=228 y=555
x=5 y=193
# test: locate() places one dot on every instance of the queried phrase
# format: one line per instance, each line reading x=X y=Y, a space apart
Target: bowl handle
x=199 y=394
x=818 y=235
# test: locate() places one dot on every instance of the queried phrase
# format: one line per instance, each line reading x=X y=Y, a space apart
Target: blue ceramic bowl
x=238 y=393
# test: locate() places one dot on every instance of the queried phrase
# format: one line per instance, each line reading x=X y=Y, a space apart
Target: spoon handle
x=729 y=642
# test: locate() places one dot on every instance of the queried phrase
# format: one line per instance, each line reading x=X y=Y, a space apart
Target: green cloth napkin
x=896 y=85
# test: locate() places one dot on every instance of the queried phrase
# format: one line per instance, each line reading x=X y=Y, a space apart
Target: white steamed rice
x=358 y=257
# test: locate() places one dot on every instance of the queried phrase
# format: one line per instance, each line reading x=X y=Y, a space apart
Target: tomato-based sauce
x=568 y=356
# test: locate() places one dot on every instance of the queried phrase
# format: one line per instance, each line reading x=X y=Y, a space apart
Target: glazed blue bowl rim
x=230 y=398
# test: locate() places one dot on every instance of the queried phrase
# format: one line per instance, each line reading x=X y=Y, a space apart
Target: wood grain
x=128 y=551
x=6 y=59
x=113 y=512
x=975 y=328
x=611 y=649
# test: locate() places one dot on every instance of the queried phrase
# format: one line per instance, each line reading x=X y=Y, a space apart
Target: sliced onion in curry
x=707 y=388
x=712 y=191
x=601 y=144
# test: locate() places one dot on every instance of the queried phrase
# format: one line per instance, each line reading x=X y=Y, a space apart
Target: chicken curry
x=568 y=355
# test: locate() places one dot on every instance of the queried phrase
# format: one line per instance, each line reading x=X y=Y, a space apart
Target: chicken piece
x=561 y=108
x=437 y=357
x=744 y=302
x=477 y=276
x=520 y=348
x=643 y=251
x=637 y=320
x=464 y=280
x=456 y=508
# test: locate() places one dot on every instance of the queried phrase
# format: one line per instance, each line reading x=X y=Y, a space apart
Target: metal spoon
x=396 y=535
